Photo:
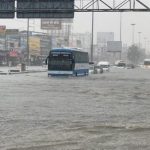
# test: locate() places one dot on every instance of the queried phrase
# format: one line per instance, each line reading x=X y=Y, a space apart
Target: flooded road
x=109 y=111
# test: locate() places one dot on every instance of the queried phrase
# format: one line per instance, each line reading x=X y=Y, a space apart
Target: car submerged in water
x=94 y=69
x=104 y=65
x=120 y=64
x=130 y=66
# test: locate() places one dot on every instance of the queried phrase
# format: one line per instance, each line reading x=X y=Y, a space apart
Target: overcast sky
x=103 y=22
x=110 y=22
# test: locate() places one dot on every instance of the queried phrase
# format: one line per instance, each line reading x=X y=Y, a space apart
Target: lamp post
x=139 y=39
x=148 y=46
x=28 y=55
x=133 y=24
x=145 y=42
x=120 y=31
x=92 y=33
x=120 y=26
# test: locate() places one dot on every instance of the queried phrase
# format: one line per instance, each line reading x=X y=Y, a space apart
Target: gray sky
x=105 y=22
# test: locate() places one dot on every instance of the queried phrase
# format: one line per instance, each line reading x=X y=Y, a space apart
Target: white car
x=95 y=70
x=104 y=65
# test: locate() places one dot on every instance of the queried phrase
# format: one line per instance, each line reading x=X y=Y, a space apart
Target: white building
x=102 y=39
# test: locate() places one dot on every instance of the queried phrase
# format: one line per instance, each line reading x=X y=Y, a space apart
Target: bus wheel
x=76 y=74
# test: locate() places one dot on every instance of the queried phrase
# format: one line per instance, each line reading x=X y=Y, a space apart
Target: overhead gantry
x=111 y=6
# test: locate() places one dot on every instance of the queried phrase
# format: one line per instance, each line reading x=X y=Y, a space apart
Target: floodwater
x=109 y=111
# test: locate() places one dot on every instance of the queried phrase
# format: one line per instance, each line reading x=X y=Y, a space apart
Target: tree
x=135 y=54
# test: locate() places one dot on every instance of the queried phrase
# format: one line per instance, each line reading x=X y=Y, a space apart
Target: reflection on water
x=107 y=111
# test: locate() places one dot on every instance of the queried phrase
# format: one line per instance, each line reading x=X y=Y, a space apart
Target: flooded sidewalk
x=18 y=70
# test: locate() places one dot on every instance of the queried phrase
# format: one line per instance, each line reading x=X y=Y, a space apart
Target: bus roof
x=147 y=59
x=66 y=49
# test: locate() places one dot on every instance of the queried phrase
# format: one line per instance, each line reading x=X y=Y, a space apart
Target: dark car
x=130 y=66
x=98 y=69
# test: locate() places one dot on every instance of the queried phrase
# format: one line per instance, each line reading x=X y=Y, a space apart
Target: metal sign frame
x=66 y=8
x=107 y=6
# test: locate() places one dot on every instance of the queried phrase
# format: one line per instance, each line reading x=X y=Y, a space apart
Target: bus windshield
x=60 y=61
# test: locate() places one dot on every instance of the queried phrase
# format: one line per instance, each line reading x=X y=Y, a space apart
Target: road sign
x=50 y=24
x=7 y=8
x=45 y=8
x=12 y=31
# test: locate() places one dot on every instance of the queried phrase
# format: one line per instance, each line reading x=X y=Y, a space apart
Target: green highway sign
x=45 y=8
x=7 y=8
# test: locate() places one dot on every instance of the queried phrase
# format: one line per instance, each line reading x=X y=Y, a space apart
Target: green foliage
x=135 y=54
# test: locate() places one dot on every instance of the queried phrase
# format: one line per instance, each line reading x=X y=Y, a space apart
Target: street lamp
x=92 y=33
x=148 y=46
x=120 y=26
x=133 y=24
x=139 y=39
x=145 y=42
x=28 y=51
x=120 y=30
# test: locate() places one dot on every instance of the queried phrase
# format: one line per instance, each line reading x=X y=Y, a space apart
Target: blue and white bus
x=67 y=61
x=147 y=63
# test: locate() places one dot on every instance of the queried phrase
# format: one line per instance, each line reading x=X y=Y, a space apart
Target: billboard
x=45 y=8
x=12 y=31
x=50 y=24
x=34 y=46
x=114 y=46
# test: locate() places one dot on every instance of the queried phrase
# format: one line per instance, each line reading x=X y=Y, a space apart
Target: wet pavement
x=17 y=69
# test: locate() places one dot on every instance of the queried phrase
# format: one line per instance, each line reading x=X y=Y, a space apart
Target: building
x=102 y=39
x=81 y=40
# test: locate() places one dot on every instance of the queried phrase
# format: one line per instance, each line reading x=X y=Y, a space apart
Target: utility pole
x=120 y=31
x=133 y=24
x=28 y=53
x=5 y=41
x=120 y=26
x=145 y=38
x=139 y=39
x=92 y=33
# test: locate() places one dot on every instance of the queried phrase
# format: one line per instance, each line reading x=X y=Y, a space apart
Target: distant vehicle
x=120 y=63
x=104 y=65
x=130 y=66
x=95 y=69
x=98 y=69
x=146 y=63
x=67 y=61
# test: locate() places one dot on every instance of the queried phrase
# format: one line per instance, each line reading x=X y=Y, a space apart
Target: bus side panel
x=81 y=69
x=59 y=73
